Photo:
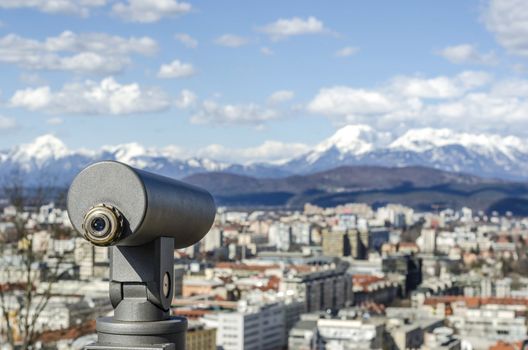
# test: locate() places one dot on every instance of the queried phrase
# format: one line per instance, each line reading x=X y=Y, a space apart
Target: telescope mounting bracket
x=141 y=291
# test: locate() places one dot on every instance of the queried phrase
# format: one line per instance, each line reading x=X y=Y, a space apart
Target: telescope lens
x=98 y=224
x=102 y=225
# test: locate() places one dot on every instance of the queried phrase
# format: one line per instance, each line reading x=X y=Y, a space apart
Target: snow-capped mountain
x=47 y=156
x=479 y=154
x=351 y=139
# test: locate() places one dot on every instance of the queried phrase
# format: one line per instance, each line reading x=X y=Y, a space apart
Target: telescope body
x=142 y=217
x=147 y=206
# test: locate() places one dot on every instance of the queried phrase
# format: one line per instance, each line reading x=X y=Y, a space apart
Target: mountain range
x=484 y=155
x=418 y=187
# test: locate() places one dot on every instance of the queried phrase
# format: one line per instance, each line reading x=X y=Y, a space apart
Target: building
x=488 y=324
x=428 y=240
x=250 y=327
x=213 y=239
x=303 y=336
x=93 y=261
x=336 y=243
x=321 y=289
x=441 y=338
x=379 y=290
x=377 y=236
x=482 y=321
x=179 y=273
x=280 y=235
x=200 y=338
x=199 y=286
x=404 y=265
x=344 y=331
x=345 y=243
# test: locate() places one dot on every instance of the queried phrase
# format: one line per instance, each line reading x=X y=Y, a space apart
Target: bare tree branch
x=33 y=300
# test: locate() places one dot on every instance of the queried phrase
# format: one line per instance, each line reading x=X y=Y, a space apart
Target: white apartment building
x=281 y=236
x=314 y=332
x=428 y=241
x=93 y=261
x=489 y=323
x=350 y=334
x=251 y=327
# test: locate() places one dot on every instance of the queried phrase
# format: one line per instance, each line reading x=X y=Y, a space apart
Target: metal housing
x=152 y=205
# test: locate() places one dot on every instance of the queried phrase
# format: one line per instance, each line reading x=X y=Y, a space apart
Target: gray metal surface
x=143 y=347
x=156 y=214
x=128 y=347
x=115 y=334
x=172 y=325
x=142 y=309
x=152 y=205
x=140 y=271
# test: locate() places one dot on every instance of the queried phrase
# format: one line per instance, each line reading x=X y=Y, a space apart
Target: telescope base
x=118 y=347
x=151 y=335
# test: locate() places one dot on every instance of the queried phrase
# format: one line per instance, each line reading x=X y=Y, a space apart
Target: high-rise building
x=213 y=239
x=320 y=290
x=336 y=243
x=404 y=265
x=280 y=235
x=428 y=240
x=302 y=233
x=346 y=243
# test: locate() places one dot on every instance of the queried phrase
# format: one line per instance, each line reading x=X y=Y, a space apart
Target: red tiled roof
x=474 y=302
x=364 y=281
x=70 y=333
x=193 y=314
x=236 y=266
x=507 y=346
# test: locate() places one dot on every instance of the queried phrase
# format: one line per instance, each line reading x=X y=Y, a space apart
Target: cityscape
x=263 y=175
x=345 y=277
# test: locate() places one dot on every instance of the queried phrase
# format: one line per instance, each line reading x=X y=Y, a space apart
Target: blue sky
x=272 y=77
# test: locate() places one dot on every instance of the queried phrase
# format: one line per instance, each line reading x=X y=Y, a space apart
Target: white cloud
x=211 y=112
x=230 y=40
x=287 y=27
x=343 y=100
x=76 y=7
x=266 y=51
x=107 y=97
x=176 y=69
x=439 y=87
x=269 y=151
x=7 y=123
x=54 y=121
x=186 y=40
x=32 y=99
x=347 y=51
x=281 y=96
x=467 y=54
x=469 y=101
x=186 y=99
x=508 y=21
x=148 y=11
x=83 y=53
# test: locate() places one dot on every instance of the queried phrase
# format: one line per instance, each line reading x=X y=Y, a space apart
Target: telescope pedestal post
x=141 y=290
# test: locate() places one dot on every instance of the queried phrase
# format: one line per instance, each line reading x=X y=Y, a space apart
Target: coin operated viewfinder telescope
x=142 y=217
